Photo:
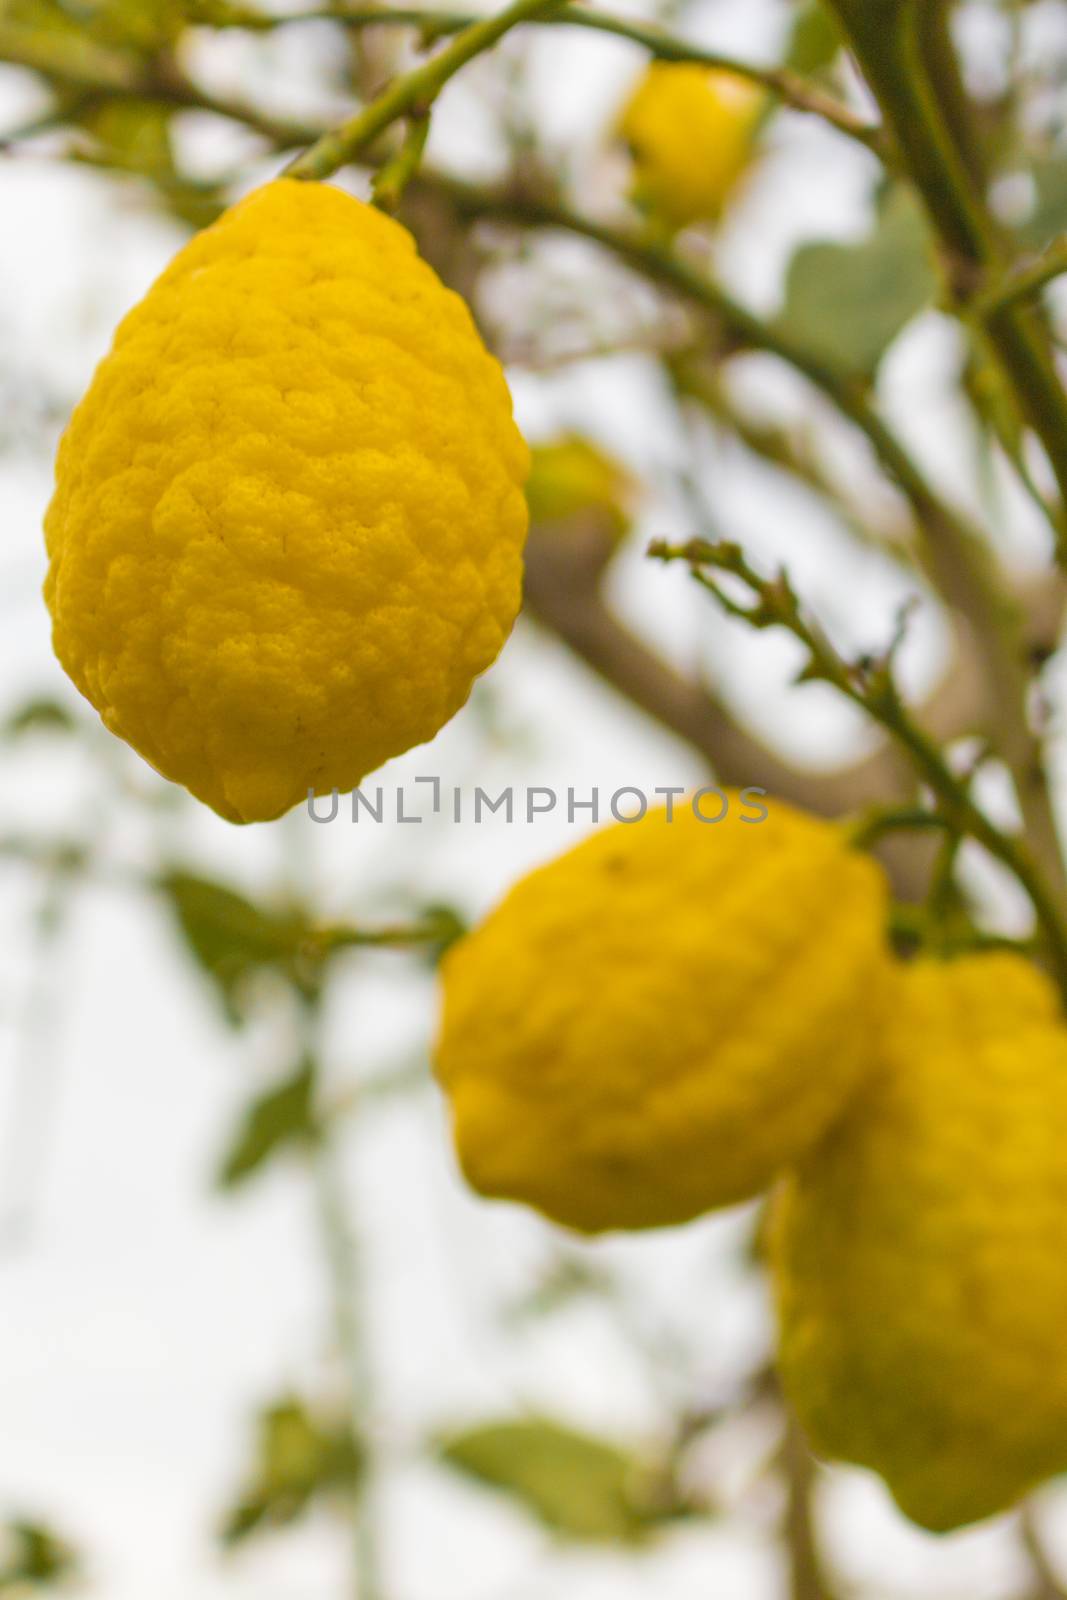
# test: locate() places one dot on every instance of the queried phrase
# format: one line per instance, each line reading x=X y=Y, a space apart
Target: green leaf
x=579 y=1486
x=38 y=716
x=815 y=41
x=281 y=1118
x=299 y=1458
x=32 y=1557
x=846 y=303
x=1048 y=217
x=231 y=938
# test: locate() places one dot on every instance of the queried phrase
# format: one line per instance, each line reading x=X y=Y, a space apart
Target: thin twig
x=787 y=86
x=870 y=685
x=1048 y=1584
x=1021 y=283
x=807 y=1580
x=412 y=95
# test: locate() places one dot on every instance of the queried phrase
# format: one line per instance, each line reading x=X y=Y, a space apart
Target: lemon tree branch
x=1022 y=282
x=412 y=95
x=891 y=41
x=870 y=685
x=789 y=87
x=958 y=559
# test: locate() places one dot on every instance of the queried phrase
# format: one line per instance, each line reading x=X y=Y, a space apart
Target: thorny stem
x=1021 y=283
x=412 y=95
x=871 y=686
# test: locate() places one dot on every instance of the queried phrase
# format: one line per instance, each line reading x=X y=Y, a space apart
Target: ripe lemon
x=287 y=528
x=691 y=132
x=658 y=1021
x=919 y=1251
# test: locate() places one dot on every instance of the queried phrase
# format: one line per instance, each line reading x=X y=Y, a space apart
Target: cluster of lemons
x=673 y=1017
x=286 y=537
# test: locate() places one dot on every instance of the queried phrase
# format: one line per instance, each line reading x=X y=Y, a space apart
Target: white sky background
x=143 y=1320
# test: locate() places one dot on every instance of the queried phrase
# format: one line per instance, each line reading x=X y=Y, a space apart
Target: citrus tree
x=524 y=310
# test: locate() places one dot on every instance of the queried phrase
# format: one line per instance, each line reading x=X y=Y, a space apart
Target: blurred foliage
x=135 y=25
x=1048 y=216
x=38 y=716
x=815 y=40
x=579 y=1486
x=847 y=302
x=234 y=941
x=279 y=1120
x=33 y=1558
x=300 y=1458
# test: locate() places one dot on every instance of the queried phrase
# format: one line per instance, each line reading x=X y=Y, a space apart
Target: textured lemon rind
x=287 y=529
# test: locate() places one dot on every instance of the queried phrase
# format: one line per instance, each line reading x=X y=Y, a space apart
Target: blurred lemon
x=572 y=477
x=919 y=1251
x=658 y=1021
x=691 y=132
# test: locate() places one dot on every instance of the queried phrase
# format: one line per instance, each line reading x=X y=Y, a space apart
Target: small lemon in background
x=692 y=132
x=658 y=1021
x=288 y=520
x=919 y=1252
x=571 y=477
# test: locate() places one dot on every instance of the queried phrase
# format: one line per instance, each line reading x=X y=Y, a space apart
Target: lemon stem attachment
x=393 y=178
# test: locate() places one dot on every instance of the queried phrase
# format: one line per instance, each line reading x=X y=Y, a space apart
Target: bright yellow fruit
x=691 y=131
x=287 y=529
x=659 y=1020
x=572 y=477
x=921 y=1251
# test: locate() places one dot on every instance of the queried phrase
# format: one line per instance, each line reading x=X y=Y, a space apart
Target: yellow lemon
x=658 y=1021
x=919 y=1251
x=287 y=528
x=691 y=131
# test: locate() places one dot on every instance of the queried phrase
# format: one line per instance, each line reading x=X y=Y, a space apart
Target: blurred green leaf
x=33 y=1557
x=815 y=40
x=136 y=136
x=38 y=716
x=299 y=1457
x=847 y=302
x=579 y=1486
x=232 y=939
x=1048 y=217
x=565 y=1280
x=283 y=1117
x=135 y=25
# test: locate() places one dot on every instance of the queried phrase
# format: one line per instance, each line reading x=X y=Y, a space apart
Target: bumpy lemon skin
x=691 y=132
x=656 y=1022
x=919 y=1256
x=288 y=520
